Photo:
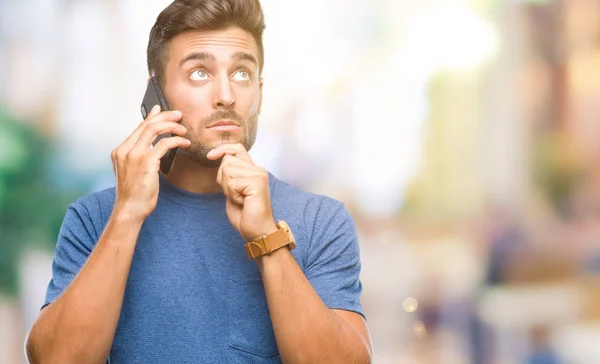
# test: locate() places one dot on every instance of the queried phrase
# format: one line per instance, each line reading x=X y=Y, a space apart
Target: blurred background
x=462 y=135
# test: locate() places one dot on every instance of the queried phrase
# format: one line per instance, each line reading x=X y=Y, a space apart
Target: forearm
x=306 y=330
x=79 y=326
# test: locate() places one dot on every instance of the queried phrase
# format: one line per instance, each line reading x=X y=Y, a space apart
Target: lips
x=224 y=123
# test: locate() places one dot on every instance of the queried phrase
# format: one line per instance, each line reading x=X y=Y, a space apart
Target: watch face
x=282 y=224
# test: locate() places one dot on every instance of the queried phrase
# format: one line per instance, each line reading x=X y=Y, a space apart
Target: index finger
x=154 y=116
x=237 y=150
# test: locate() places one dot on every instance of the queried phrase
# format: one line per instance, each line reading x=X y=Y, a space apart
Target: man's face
x=213 y=78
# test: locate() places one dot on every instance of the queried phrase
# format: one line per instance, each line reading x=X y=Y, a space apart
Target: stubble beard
x=199 y=148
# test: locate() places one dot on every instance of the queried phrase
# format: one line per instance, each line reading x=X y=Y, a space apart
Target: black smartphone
x=154 y=96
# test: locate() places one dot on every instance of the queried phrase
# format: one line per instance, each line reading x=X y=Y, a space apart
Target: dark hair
x=185 y=15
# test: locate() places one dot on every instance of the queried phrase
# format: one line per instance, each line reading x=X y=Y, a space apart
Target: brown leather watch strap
x=254 y=250
x=278 y=239
x=269 y=243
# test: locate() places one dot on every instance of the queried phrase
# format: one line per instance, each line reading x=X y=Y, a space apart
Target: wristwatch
x=271 y=242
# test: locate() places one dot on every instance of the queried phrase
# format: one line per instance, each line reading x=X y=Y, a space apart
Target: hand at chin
x=246 y=187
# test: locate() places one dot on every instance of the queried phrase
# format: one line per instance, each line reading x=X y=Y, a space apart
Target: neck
x=193 y=177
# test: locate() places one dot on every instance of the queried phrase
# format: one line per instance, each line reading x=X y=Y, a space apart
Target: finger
x=154 y=111
x=113 y=158
x=223 y=181
x=170 y=116
x=228 y=172
x=235 y=189
x=224 y=149
x=130 y=141
x=235 y=196
x=240 y=188
x=233 y=171
x=231 y=160
x=155 y=116
x=152 y=131
x=164 y=145
x=225 y=154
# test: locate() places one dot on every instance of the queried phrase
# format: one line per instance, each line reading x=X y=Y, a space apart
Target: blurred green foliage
x=557 y=168
x=31 y=206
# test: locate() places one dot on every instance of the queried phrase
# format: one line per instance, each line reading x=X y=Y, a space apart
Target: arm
x=306 y=330
x=79 y=326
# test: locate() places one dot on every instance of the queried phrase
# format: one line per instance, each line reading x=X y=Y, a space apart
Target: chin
x=224 y=138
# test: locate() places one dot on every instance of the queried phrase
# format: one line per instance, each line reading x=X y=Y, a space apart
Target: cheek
x=182 y=95
x=248 y=100
x=192 y=102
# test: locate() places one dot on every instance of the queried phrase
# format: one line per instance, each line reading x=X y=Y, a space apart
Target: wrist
x=268 y=228
x=122 y=214
x=122 y=229
x=125 y=217
x=266 y=244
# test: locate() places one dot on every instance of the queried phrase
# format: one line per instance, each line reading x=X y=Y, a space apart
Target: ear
x=260 y=94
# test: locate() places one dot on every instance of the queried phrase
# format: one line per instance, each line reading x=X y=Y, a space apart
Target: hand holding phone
x=137 y=164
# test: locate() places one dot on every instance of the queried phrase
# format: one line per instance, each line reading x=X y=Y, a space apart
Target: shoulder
x=310 y=205
x=95 y=207
x=319 y=218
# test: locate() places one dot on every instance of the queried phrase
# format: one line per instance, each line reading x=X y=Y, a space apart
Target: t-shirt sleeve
x=333 y=264
x=75 y=243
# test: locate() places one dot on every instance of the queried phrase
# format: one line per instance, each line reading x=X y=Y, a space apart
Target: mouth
x=224 y=123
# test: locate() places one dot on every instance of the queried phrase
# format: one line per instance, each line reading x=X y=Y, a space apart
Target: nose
x=224 y=97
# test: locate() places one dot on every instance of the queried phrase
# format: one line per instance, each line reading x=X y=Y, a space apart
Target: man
x=172 y=268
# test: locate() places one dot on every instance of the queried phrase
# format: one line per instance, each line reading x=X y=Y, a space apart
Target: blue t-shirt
x=192 y=295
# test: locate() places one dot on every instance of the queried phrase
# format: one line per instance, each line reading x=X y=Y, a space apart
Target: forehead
x=221 y=43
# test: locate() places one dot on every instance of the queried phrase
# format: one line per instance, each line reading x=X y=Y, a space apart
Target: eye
x=241 y=75
x=198 y=75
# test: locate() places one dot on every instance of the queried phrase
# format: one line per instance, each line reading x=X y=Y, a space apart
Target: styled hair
x=202 y=15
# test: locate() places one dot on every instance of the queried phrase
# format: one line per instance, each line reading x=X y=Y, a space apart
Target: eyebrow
x=201 y=56
x=243 y=56
x=197 y=56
